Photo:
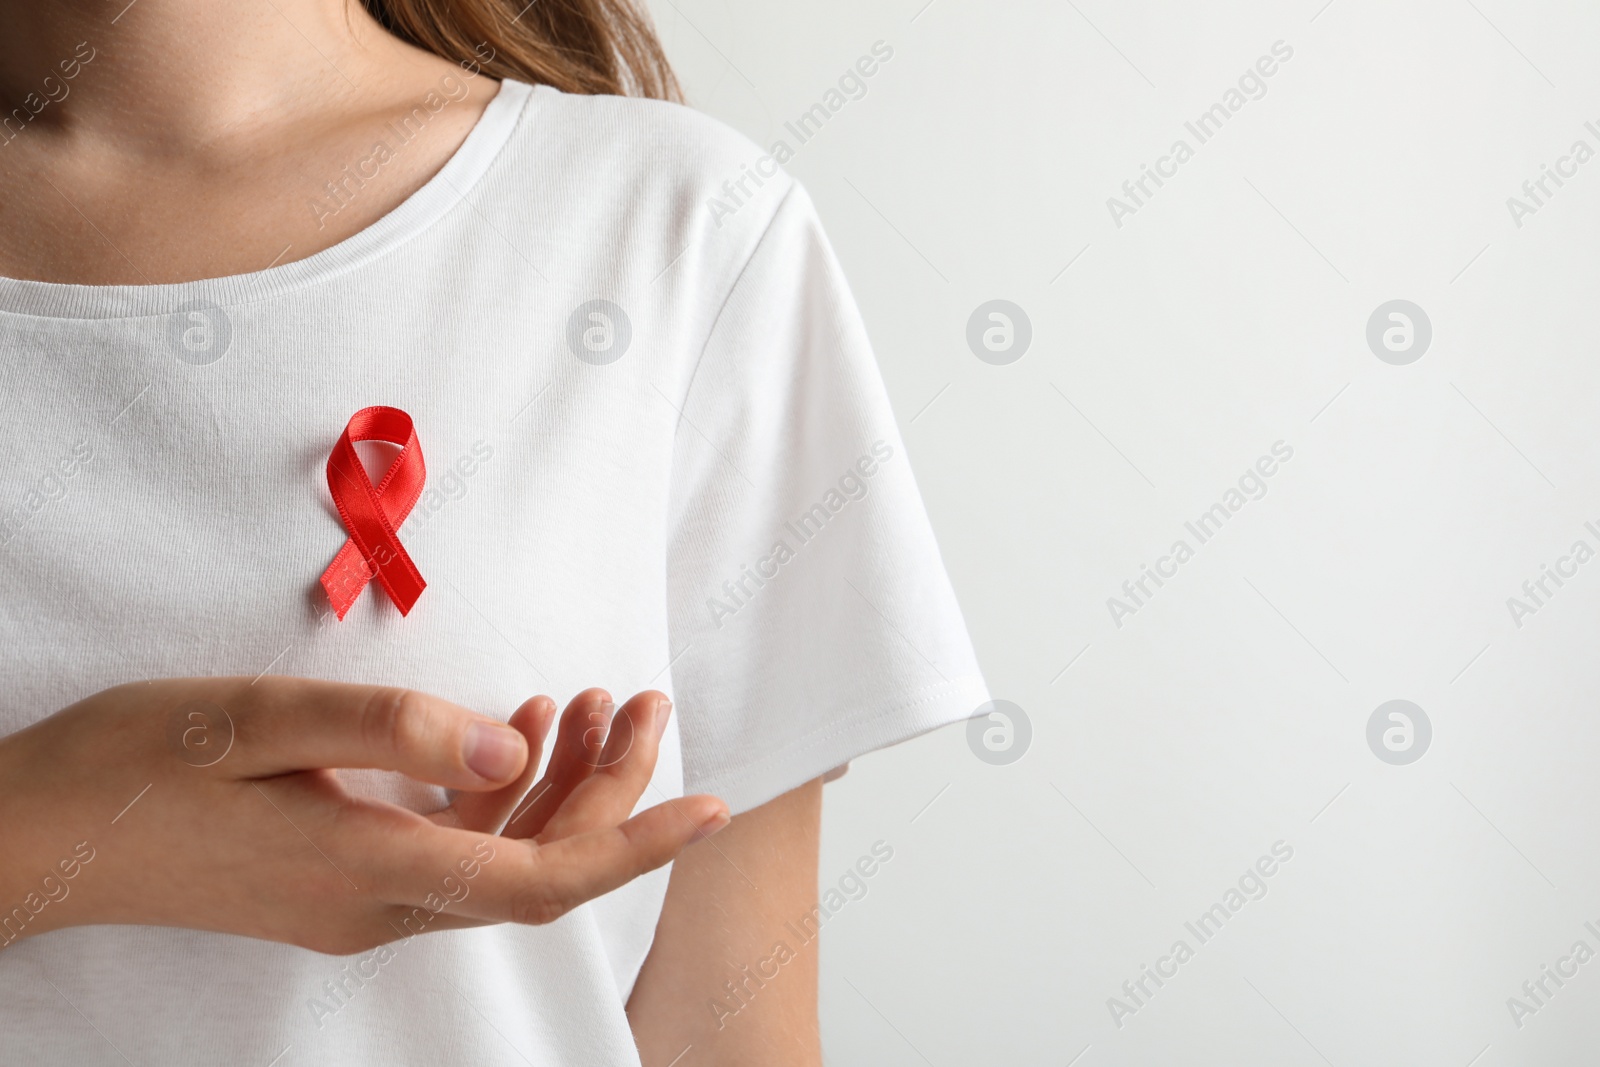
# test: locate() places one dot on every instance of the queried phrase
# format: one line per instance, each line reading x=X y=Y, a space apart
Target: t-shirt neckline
x=439 y=195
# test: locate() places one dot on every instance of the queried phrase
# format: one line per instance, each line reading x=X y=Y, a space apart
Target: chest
x=164 y=507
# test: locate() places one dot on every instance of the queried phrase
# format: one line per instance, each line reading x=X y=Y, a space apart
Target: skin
x=192 y=142
x=190 y=146
x=717 y=922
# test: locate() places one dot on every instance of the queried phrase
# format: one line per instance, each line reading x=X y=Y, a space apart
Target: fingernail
x=547 y=716
x=663 y=713
x=713 y=824
x=493 y=752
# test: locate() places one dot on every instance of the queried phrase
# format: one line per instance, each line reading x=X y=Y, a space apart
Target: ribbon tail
x=402 y=581
x=345 y=578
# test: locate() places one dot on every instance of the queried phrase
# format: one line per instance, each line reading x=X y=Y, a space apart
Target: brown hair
x=577 y=46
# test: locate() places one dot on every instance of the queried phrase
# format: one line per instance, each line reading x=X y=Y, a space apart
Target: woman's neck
x=154 y=77
x=171 y=140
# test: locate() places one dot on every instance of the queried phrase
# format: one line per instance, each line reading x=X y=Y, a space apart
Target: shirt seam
x=727 y=298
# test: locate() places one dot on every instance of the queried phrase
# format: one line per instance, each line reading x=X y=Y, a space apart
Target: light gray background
x=1229 y=313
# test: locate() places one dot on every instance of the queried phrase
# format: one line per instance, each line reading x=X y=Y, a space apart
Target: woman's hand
x=209 y=803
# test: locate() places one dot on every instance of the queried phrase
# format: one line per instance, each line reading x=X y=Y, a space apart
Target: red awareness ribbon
x=372 y=514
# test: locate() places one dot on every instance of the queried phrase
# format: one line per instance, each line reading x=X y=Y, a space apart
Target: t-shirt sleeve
x=811 y=617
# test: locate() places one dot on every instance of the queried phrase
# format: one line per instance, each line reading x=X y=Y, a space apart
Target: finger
x=496 y=879
x=291 y=724
x=580 y=742
x=487 y=812
x=608 y=795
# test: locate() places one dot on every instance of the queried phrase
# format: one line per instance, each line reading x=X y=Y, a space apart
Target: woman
x=364 y=366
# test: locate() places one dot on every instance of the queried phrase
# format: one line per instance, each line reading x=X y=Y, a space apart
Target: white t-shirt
x=696 y=486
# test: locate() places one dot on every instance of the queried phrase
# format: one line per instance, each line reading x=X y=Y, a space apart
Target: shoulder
x=659 y=130
x=653 y=162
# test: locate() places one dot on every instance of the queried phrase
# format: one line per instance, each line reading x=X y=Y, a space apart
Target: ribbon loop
x=372 y=514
